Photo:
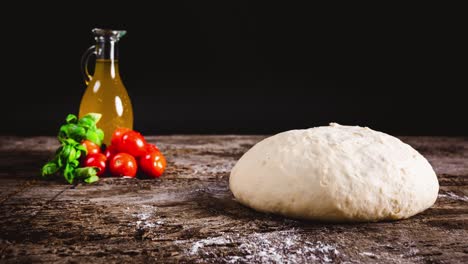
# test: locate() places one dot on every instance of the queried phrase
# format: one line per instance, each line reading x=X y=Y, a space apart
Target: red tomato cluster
x=127 y=153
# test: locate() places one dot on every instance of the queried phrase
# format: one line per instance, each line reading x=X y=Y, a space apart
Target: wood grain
x=190 y=215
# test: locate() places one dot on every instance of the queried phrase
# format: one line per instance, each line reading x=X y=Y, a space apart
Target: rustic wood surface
x=189 y=215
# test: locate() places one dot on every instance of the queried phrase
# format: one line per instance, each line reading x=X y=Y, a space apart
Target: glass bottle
x=105 y=92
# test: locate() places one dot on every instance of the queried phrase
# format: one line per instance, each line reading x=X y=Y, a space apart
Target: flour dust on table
x=335 y=173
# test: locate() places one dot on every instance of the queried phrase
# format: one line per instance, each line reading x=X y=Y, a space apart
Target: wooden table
x=189 y=215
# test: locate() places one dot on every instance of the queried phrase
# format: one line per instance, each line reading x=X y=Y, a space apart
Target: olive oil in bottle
x=105 y=92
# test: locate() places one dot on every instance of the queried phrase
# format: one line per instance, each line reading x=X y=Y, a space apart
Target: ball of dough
x=335 y=173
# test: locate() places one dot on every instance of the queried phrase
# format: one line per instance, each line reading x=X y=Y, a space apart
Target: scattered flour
x=453 y=196
x=276 y=246
x=369 y=254
x=208 y=242
x=144 y=216
x=284 y=247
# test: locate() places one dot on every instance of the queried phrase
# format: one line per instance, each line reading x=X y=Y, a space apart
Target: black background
x=239 y=68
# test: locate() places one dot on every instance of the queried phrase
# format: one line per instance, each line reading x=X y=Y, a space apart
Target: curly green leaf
x=50 y=168
x=71 y=118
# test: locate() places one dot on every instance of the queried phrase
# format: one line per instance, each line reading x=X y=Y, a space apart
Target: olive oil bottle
x=105 y=92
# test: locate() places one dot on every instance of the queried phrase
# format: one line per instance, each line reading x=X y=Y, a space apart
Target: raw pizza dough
x=335 y=173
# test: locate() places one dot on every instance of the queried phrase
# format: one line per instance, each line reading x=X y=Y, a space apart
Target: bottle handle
x=84 y=64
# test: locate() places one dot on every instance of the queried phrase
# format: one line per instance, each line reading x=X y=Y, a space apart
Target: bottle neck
x=107 y=49
x=107 y=59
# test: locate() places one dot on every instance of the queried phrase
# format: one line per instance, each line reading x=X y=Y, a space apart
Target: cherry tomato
x=117 y=135
x=96 y=160
x=91 y=147
x=132 y=143
x=153 y=164
x=151 y=148
x=123 y=164
x=110 y=151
